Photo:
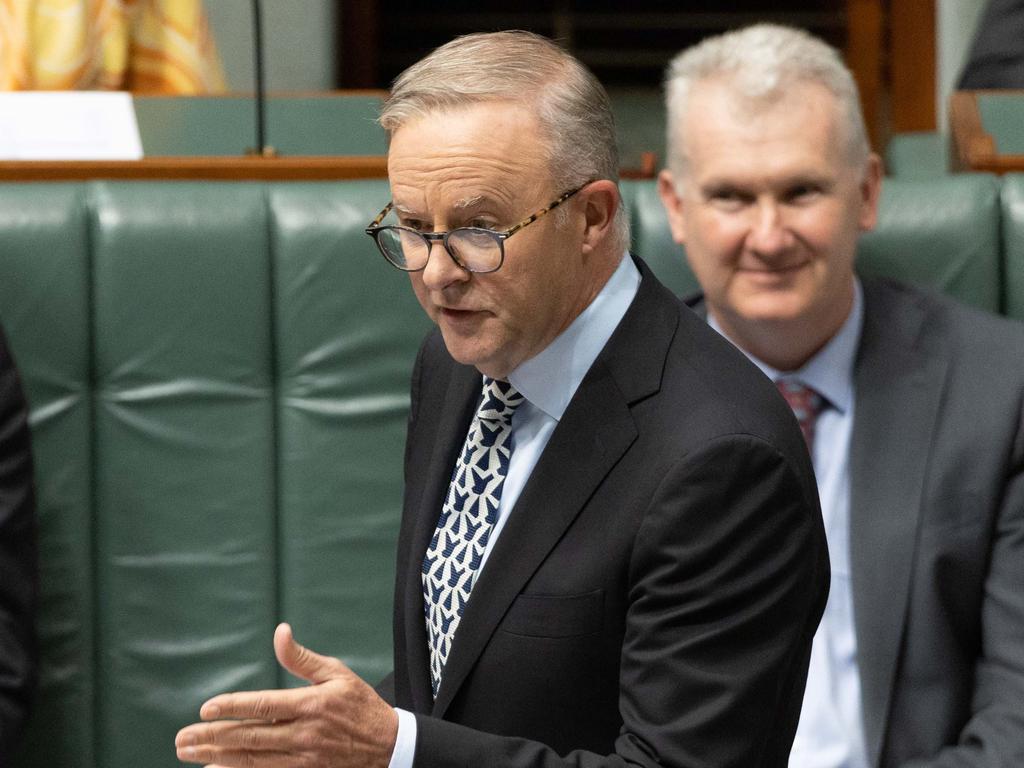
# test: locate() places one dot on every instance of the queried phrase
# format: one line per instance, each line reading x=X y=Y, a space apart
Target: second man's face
x=770 y=206
x=484 y=165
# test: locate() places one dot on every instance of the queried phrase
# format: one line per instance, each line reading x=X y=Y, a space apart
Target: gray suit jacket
x=996 y=59
x=937 y=531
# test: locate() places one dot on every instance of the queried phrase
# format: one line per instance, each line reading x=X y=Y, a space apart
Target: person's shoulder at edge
x=718 y=389
x=982 y=350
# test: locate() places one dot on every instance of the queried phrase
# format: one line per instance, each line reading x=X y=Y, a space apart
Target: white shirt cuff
x=405 y=744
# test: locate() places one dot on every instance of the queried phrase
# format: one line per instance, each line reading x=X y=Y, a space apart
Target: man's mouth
x=780 y=269
x=455 y=313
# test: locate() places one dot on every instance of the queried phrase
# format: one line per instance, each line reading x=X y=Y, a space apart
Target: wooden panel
x=358 y=64
x=206 y=168
x=912 y=65
x=864 y=56
x=974 y=148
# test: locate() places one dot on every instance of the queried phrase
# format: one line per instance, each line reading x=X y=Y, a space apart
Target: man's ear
x=870 y=193
x=673 y=204
x=601 y=200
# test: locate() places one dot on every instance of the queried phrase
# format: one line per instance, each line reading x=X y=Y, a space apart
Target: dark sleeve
x=994 y=735
x=18 y=578
x=386 y=689
x=996 y=58
x=728 y=581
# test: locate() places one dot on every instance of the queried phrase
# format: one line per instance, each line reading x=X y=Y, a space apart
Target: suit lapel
x=595 y=431
x=898 y=387
x=455 y=414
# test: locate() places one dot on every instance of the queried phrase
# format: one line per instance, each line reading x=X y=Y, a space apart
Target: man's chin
x=463 y=349
x=774 y=307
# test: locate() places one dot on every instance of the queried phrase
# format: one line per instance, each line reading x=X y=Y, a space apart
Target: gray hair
x=571 y=106
x=760 y=62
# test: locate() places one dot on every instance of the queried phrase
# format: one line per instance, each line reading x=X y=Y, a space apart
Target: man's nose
x=441 y=270
x=768 y=234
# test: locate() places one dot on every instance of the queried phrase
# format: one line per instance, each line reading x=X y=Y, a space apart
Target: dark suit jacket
x=653 y=596
x=18 y=585
x=937 y=531
x=996 y=59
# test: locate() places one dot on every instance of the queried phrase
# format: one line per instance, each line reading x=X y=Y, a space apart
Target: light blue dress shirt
x=831 y=732
x=548 y=381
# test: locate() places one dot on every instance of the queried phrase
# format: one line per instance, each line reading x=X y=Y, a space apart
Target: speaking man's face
x=484 y=165
x=770 y=206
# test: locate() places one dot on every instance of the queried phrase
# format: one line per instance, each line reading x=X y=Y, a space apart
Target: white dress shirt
x=548 y=381
x=831 y=732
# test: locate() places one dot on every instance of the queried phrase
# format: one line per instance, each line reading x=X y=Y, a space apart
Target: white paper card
x=68 y=125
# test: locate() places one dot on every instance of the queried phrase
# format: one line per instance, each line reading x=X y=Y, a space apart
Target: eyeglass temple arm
x=381 y=215
x=542 y=211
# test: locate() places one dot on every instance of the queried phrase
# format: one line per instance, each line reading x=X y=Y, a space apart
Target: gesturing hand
x=335 y=722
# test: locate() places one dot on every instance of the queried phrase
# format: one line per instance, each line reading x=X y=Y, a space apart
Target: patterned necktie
x=453 y=558
x=806 y=405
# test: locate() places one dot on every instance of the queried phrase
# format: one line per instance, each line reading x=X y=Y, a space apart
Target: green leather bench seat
x=943 y=234
x=347 y=328
x=1002 y=115
x=917 y=155
x=218 y=377
x=184 y=462
x=1013 y=244
x=46 y=309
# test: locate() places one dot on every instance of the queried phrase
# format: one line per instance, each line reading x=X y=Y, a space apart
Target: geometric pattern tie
x=805 y=403
x=467 y=518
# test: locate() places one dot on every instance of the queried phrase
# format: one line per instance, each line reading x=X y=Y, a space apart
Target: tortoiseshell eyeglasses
x=475 y=249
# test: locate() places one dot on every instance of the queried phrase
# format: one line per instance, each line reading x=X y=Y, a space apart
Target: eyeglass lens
x=475 y=249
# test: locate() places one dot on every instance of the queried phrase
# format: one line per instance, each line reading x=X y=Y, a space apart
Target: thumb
x=301 y=661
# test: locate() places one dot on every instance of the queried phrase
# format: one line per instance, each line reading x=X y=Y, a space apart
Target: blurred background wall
x=304 y=40
x=299 y=39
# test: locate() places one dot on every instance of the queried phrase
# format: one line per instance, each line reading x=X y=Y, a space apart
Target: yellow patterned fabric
x=145 y=46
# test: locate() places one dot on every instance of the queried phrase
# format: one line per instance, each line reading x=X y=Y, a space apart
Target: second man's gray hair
x=759 y=63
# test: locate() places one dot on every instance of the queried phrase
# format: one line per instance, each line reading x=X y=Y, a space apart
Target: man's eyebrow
x=809 y=180
x=468 y=202
x=822 y=181
x=465 y=202
x=721 y=185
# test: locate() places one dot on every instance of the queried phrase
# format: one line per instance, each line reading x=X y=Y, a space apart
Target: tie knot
x=805 y=403
x=499 y=402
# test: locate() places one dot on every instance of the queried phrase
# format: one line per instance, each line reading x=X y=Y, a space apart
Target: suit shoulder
x=433 y=360
x=712 y=390
x=966 y=334
x=432 y=347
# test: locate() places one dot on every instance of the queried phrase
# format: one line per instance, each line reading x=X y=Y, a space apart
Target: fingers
x=232 y=742
x=230 y=759
x=285 y=704
x=335 y=721
x=301 y=661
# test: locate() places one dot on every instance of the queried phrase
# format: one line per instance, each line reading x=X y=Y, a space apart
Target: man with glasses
x=611 y=551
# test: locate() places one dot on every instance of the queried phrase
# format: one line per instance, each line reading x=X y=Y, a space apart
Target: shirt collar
x=830 y=371
x=549 y=379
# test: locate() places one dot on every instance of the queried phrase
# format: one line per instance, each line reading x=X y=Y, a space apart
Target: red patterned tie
x=806 y=405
